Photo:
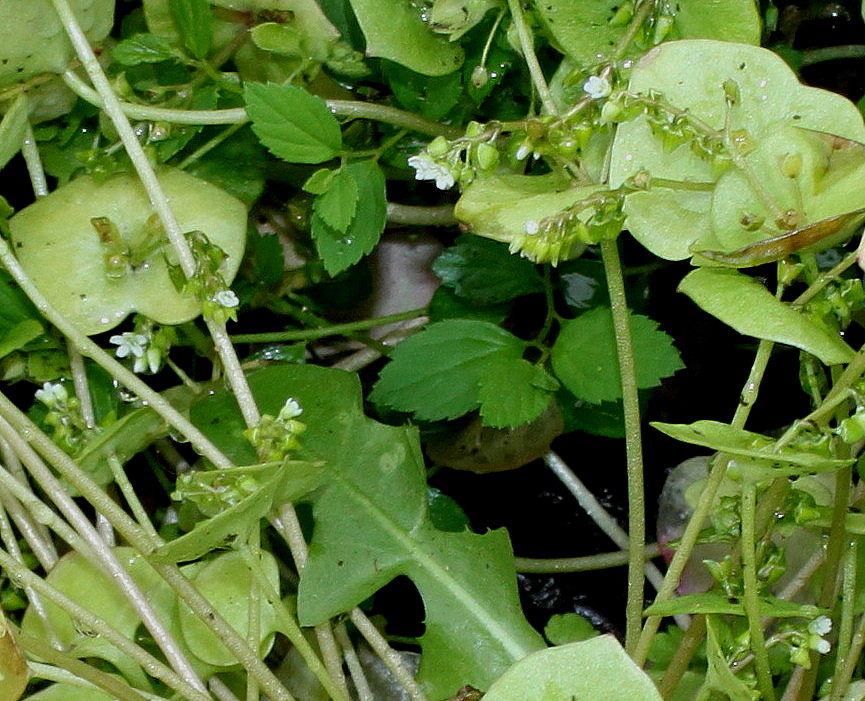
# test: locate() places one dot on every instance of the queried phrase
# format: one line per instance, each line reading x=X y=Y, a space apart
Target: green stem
x=209 y=145
x=580 y=564
x=527 y=46
x=350 y=109
x=704 y=506
x=845 y=628
x=33 y=161
x=334 y=330
x=412 y=215
x=128 y=491
x=751 y=599
x=633 y=442
x=832 y=53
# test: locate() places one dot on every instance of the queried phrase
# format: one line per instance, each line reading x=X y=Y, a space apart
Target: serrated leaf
x=436 y=372
x=550 y=675
x=749 y=308
x=337 y=204
x=142 y=48
x=513 y=391
x=194 y=21
x=585 y=359
x=340 y=251
x=371 y=524
x=12 y=129
x=397 y=31
x=319 y=181
x=484 y=272
x=292 y=123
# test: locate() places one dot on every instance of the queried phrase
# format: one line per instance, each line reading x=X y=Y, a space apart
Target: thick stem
x=633 y=441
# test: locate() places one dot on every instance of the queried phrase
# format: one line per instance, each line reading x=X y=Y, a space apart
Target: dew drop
x=104 y=320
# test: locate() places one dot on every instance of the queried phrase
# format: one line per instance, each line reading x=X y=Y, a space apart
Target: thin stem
x=586 y=563
x=704 y=506
x=633 y=441
x=412 y=215
x=69 y=670
x=528 y=49
x=33 y=161
x=81 y=385
x=208 y=146
x=751 y=598
x=832 y=53
x=364 y=693
x=637 y=20
x=694 y=636
x=845 y=627
x=131 y=497
x=350 y=109
x=334 y=330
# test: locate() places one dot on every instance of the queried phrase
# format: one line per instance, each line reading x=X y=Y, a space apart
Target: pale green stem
x=71 y=671
x=350 y=109
x=751 y=598
x=361 y=685
x=81 y=385
x=633 y=441
x=131 y=497
x=528 y=49
x=580 y=564
x=290 y=628
x=287 y=525
x=845 y=626
x=252 y=552
x=200 y=443
x=853 y=654
x=364 y=357
x=159 y=201
x=334 y=330
x=705 y=503
x=414 y=215
x=207 y=147
x=33 y=161
x=220 y=690
x=92 y=621
x=391 y=658
x=92 y=547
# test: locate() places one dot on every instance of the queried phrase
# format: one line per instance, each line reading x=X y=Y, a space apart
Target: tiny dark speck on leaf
x=339 y=563
x=742 y=66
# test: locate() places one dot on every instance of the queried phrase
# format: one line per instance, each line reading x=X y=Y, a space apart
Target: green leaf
x=319 y=181
x=341 y=250
x=395 y=30
x=278 y=484
x=20 y=335
x=12 y=129
x=142 y=48
x=513 y=392
x=749 y=308
x=194 y=21
x=711 y=603
x=584 y=355
x=436 y=373
x=226 y=582
x=671 y=220
x=371 y=525
x=292 y=123
x=483 y=272
x=758 y=457
x=606 y=673
x=583 y=28
x=431 y=97
x=337 y=204
x=565 y=628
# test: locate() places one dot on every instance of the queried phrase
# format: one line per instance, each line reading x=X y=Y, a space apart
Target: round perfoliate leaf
x=96 y=251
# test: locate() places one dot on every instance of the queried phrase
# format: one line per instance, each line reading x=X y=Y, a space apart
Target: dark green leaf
x=292 y=123
x=445 y=513
x=445 y=304
x=194 y=21
x=142 y=48
x=339 y=250
x=337 y=204
x=432 y=97
x=484 y=272
x=436 y=373
x=585 y=359
x=513 y=391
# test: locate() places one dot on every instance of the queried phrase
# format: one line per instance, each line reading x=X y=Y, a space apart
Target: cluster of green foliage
x=233 y=165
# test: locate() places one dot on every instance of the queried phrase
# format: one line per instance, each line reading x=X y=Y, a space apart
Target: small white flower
x=523 y=151
x=129 y=344
x=52 y=394
x=151 y=360
x=428 y=169
x=291 y=409
x=597 y=87
x=531 y=227
x=226 y=298
x=820 y=645
x=820 y=625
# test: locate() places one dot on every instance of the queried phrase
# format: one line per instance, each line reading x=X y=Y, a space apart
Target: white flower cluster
x=597 y=87
x=52 y=394
x=135 y=345
x=227 y=299
x=428 y=169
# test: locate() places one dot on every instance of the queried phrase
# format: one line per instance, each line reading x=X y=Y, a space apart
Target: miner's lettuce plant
x=207 y=482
